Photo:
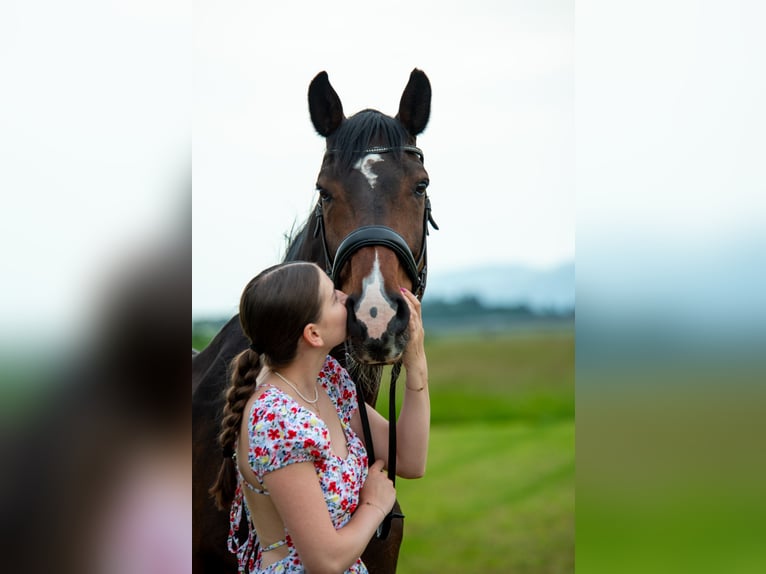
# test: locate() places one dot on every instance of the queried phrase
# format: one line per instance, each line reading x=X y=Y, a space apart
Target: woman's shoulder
x=268 y=399
x=275 y=416
x=339 y=386
x=281 y=432
x=274 y=407
x=332 y=365
x=334 y=376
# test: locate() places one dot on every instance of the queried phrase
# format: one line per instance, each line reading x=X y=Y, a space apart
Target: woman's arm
x=298 y=498
x=412 y=427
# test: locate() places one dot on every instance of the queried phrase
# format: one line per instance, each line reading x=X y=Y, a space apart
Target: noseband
x=417 y=270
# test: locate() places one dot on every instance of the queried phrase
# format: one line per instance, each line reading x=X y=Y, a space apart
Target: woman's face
x=332 y=319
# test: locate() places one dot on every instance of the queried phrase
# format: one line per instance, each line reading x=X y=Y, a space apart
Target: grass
x=519 y=377
x=496 y=498
x=498 y=495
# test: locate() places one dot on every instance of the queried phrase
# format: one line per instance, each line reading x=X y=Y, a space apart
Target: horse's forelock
x=361 y=131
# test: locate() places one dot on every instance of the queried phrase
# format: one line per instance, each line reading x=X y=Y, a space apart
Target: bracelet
x=378 y=507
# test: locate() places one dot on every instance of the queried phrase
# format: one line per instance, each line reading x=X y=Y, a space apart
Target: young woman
x=290 y=433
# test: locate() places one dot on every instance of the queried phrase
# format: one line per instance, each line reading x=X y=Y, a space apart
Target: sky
x=499 y=146
x=95 y=131
x=633 y=130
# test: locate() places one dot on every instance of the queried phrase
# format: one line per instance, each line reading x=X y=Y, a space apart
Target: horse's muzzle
x=377 y=330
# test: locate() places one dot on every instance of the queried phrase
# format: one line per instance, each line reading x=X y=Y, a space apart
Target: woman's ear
x=311 y=335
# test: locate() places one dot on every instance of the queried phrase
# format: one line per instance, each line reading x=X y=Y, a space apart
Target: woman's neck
x=303 y=370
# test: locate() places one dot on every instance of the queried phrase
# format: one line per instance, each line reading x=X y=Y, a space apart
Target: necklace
x=300 y=394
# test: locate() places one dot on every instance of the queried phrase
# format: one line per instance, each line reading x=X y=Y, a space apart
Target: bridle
x=417 y=271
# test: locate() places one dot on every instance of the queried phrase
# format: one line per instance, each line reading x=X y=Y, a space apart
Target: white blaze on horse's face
x=374 y=309
x=365 y=164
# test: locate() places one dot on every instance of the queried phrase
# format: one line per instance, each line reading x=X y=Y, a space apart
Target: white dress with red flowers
x=282 y=432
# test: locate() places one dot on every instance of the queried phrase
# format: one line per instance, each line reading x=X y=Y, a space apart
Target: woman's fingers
x=413 y=301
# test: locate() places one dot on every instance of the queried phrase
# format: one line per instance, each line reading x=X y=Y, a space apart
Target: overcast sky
x=95 y=130
x=100 y=99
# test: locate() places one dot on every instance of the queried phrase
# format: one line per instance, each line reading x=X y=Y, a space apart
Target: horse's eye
x=421 y=187
x=324 y=195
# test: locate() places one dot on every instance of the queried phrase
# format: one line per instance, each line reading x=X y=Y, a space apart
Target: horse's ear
x=415 y=105
x=324 y=105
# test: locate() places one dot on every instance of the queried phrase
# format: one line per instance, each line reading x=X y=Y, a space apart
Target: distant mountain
x=550 y=289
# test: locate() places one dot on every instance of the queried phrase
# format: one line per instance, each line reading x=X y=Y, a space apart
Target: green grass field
x=498 y=494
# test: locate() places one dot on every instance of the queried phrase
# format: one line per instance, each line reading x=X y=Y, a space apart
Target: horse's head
x=373 y=211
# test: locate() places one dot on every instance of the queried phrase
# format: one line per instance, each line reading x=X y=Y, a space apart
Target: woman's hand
x=378 y=489
x=414 y=354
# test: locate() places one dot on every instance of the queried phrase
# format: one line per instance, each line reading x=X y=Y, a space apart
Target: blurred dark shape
x=101 y=465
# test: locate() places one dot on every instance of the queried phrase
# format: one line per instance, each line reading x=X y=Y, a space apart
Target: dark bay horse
x=368 y=230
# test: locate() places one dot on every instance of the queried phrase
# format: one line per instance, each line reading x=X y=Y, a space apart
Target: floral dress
x=282 y=432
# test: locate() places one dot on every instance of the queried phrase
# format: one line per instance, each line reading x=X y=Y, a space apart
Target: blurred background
x=95 y=234
x=651 y=115
x=670 y=306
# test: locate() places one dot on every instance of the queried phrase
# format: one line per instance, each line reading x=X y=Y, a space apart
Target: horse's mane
x=294 y=240
x=357 y=133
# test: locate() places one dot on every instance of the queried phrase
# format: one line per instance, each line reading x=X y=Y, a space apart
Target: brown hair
x=275 y=307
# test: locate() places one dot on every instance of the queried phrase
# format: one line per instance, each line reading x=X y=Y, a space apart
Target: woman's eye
x=421 y=187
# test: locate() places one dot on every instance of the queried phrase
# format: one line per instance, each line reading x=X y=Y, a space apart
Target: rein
x=417 y=271
x=385 y=526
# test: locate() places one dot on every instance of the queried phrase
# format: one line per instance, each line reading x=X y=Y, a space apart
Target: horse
x=368 y=231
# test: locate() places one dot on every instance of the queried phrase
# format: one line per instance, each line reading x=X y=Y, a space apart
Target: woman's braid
x=243 y=380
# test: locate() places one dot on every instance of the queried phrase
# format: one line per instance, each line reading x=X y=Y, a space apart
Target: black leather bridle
x=417 y=271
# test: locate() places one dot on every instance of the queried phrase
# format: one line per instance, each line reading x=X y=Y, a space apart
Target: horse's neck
x=305 y=247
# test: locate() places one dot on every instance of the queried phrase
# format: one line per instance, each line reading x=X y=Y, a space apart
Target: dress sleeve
x=282 y=434
x=342 y=388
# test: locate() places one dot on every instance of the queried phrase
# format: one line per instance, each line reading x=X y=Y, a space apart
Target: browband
x=385 y=149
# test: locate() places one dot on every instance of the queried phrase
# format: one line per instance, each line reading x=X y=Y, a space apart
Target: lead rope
x=385 y=526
